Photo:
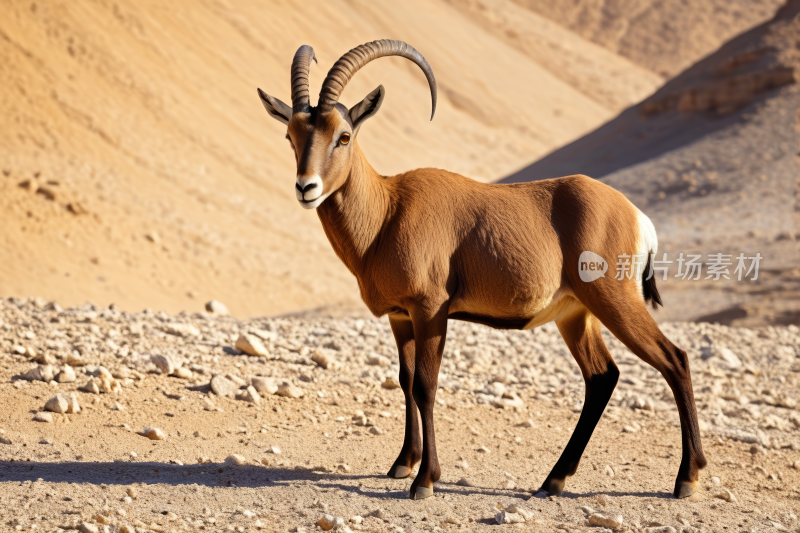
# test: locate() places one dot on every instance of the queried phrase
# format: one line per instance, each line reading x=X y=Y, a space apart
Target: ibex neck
x=353 y=216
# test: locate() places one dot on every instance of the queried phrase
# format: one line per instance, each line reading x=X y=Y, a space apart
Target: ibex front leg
x=412 y=444
x=430 y=330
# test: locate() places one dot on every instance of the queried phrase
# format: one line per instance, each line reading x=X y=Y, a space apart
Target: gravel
x=506 y=405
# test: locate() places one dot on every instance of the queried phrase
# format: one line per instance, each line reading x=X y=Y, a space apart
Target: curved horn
x=300 y=66
x=352 y=61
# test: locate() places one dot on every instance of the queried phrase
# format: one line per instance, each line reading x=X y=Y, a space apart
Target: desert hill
x=663 y=37
x=138 y=166
x=711 y=157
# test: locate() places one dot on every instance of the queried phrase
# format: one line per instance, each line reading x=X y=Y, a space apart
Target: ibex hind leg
x=630 y=322
x=581 y=332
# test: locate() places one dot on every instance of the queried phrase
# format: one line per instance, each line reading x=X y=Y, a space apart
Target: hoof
x=539 y=495
x=399 y=472
x=684 y=489
x=421 y=493
x=553 y=486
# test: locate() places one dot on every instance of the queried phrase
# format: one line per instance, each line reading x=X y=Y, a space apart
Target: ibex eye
x=345 y=138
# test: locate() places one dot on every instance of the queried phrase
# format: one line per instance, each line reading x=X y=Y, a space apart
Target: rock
x=236 y=379
x=375 y=430
x=86 y=527
x=223 y=387
x=661 y=529
x=5 y=440
x=152 y=433
x=608 y=471
x=496 y=389
x=102 y=383
x=251 y=345
x=66 y=375
x=326 y=522
x=43 y=417
x=97 y=371
x=356 y=520
x=265 y=386
x=756 y=449
x=509 y=399
x=526 y=514
x=235 y=460
x=722 y=357
x=73 y=408
x=125 y=528
x=44 y=373
x=322 y=359
x=504 y=517
x=390 y=383
x=287 y=390
x=181 y=330
x=378 y=360
x=164 y=364
x=585 y=509
x=715 y=480
x=360 y=420
x=464 y=482
x=265 y=461
x=45 y=358
x=249 y=395
x=182 y=373
x=216 y=308
x=726 y=495
x=58 y=404
x=76 y=360
x=133 y=492
x=208 y=405
x=122 y=372
x=601 y=520
x=273 y=449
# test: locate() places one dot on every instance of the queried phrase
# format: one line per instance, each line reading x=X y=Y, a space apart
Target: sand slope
x=162 y=182
x=665 y=37
x=147 y=120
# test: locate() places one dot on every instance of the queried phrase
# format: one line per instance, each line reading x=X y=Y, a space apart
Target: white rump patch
x=647 y=244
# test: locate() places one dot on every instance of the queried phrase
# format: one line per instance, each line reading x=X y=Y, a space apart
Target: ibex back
x=429 y=245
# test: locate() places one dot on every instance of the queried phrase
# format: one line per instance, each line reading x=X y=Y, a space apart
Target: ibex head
x=323 y=137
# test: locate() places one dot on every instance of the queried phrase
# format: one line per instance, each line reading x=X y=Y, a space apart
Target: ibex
x=429 y=245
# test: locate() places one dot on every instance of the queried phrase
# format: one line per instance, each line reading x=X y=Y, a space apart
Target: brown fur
x=429 y=245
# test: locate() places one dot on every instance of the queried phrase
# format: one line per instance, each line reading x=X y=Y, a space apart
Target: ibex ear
x=367 y=107
x=276 y=109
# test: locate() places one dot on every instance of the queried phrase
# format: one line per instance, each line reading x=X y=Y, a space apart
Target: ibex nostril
x=307 y=188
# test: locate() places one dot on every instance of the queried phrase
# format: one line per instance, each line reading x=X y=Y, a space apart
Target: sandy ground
x=507 y=405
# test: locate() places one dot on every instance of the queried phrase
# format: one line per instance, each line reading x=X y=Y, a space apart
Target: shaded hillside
x=664 y=37
x=711 y=158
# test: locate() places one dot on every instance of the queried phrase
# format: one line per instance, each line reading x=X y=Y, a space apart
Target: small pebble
x=611 y=522
x=43 y=417
x=152 y=433
x=235 y=460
